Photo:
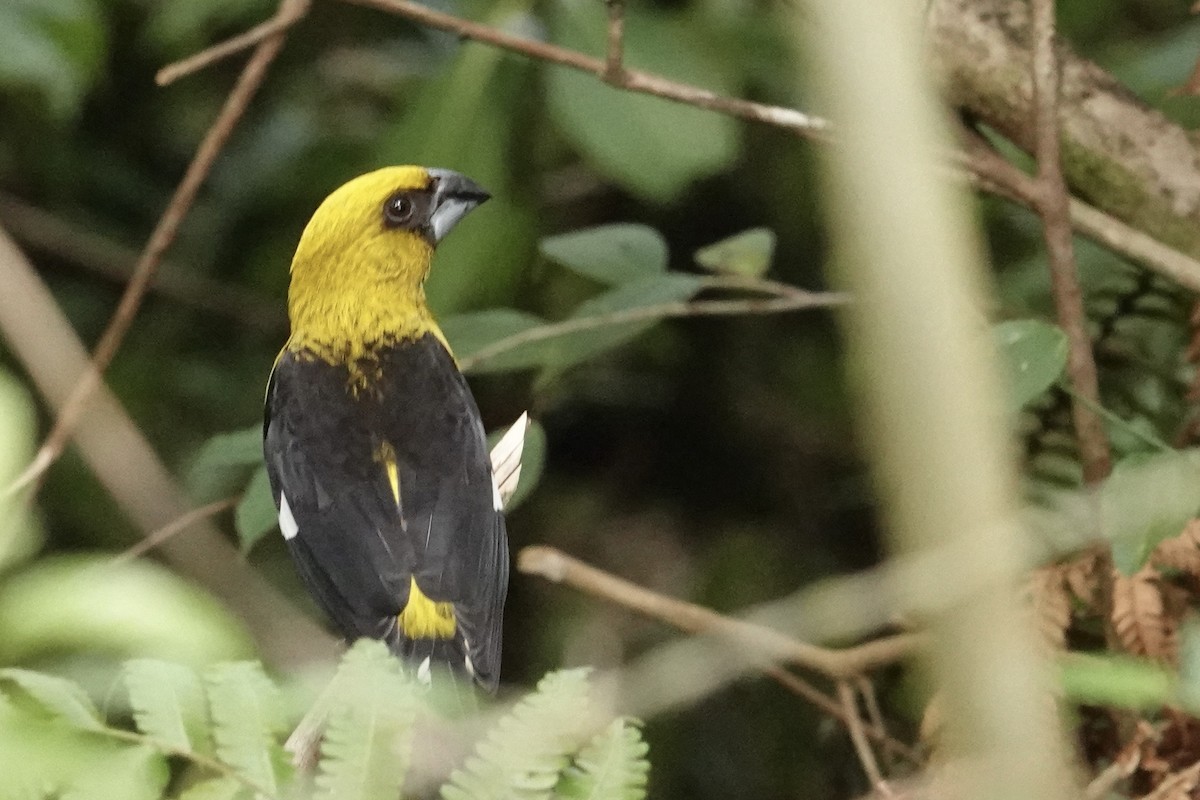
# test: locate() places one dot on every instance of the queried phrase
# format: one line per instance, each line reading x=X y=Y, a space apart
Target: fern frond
x=215 y=789
x=168 y=704
x=368 y=739
x=612 y=766
x=523 y=756
x=246 y=717
x=56 y=696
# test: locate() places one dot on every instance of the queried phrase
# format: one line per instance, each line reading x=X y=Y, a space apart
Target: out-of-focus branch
x=1054 y=207
x=851 y=662
x=44 y=232
x=71 y=411
x=41 y=338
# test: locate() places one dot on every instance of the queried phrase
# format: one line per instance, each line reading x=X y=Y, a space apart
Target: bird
x=373 y=442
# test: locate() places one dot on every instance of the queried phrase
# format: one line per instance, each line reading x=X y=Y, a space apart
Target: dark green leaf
x=747 y=254
x=1149 y=497
x=255 y=514
x=54 y=47
x=1035 y=354
x=612 y=254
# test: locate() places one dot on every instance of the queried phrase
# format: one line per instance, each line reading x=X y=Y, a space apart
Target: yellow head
x=358 y=276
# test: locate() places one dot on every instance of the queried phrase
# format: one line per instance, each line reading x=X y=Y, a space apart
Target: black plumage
x=329 y=434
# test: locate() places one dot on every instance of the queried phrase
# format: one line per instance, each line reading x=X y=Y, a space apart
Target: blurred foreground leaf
x=1117 y=680
x=255 y=515
x=19 y=534
x=52 y=48
x=1148 y=498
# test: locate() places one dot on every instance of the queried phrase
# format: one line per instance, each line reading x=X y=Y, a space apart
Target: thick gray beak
x=454 y=195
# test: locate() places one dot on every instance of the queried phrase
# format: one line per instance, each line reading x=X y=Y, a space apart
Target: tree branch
x=557 y=567
x=1054 y=207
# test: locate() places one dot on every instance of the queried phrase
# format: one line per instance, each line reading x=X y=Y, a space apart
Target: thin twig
x=828 y=705
x=614 y=65
x=858 y=736
x=793 y=300
x=163 y=235
x=174 y=527
x=287 y=16
x=630 y=80
x=1122 y=766
x=1054 y=207
x=558 y=567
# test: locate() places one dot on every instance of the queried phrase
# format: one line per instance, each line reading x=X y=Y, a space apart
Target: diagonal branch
x=163 y=235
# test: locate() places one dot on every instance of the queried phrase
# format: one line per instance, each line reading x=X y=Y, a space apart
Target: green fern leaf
x=612 y=766
x=368 y=739
x=244 y=704
x=130 y=773
x=525 y=753
x=168 y=704
x=215 y=789
x=58 y=697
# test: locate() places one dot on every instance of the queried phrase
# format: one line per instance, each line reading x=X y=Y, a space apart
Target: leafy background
x=711 y=458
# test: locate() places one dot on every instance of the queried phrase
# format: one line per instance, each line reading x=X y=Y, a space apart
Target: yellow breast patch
x=423 y=618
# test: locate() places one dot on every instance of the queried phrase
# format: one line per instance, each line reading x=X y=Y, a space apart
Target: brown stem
x=858 y=736
x=614 y=66
x=1054 y=207
x=175 y=526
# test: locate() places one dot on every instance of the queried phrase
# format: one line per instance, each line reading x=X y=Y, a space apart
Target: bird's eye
x=398 y=210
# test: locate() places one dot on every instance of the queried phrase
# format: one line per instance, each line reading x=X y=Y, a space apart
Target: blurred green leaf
x=1035 y=353
x=216 y=789
x=1147 y=498
x=247 y=716
x=533 y=462
x=471 y=332
x=611 y=766
x=20 y=535
x=57 y=696
x=55 y=48
x=652 y=147
x=90 y=604
x=180 y=26
x=222 y=464
x=130 y=773
x=747 y=254
x=1189 y=665
x=611 y=254
x=168 y=704
x=1117 y=680
x=255 y=514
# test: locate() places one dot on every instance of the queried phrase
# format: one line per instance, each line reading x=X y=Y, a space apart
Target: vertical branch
x=1053 y=204
x=858 y=736
x=614 y=67
x=160 y=239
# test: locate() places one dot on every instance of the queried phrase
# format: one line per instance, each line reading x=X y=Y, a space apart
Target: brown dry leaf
x=1139 y=620
x=1177 y=786
x=1051 y=605
x=1081 y=576
x=1180 y=552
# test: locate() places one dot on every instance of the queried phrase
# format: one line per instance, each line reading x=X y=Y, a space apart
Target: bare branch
x=614 y=66
x=1054 y=207
x=858 y=736
x=285 y=17
x=175 y=526
x=631 y=80
x=556 y=566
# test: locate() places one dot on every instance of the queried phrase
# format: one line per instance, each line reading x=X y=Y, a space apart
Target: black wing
x=330 y=436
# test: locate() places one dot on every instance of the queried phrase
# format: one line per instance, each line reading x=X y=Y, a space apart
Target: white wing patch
x=506 y=461
x=424 y=674
x=287 y=521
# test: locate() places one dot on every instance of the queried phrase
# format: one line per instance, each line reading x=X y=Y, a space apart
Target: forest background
x=651 y=282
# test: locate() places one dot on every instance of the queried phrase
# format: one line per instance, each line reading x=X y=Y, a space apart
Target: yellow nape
x=422 y=618
x=355 y=283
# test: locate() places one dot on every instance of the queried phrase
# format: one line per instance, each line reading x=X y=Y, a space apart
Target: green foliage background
x=711 y=459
